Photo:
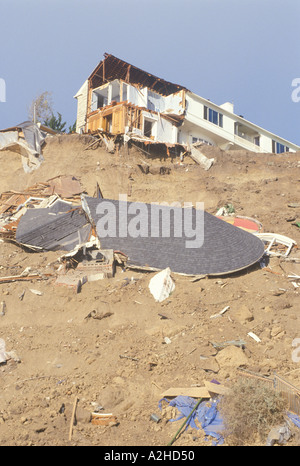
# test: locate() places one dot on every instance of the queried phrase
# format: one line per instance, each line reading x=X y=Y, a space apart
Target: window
x=256 y=140
x=148 y=125
x=99 y=99
x=221 y=120
x=203 y=141
x=278 y=148
x=213 y=116
x=155 y=102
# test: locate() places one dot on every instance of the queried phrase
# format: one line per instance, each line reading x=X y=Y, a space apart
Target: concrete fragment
x=162 y=285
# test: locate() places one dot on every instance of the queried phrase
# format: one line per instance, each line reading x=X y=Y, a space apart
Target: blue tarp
x=208 y=416
x=294 y=418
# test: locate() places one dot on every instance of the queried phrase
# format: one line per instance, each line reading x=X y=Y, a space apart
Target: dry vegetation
x=249 y=412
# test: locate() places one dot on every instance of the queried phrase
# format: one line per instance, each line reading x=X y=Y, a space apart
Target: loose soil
x=121 y=364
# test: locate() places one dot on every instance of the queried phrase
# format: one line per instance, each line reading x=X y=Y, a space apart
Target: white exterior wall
x=165 y=131
x=136 y=96
x=265 y=143
x=200 y=128
x=187 y=133
x=225 y=136
x=162 y=130
x=82 y=98
x=169 y=104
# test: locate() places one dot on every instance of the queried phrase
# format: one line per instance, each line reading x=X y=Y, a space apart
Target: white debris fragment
x=220 y=313
x=255 y=337
x=162 y=285
x=3 y=357
x=37 y=292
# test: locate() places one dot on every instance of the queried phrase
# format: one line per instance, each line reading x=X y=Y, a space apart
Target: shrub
x=249 y=411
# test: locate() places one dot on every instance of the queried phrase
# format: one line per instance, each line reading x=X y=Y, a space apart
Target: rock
x=83 y=415
x=231 y=356
x=118 y=380
x=277 y=332
x=268 y=309
x=266 y=333
x=209 y=364
x=242 y=314
x=279 y=435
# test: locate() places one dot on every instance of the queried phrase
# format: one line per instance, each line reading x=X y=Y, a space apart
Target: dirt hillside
x=122 y=363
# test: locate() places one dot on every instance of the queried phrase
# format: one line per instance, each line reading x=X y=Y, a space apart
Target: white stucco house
x=121 y=99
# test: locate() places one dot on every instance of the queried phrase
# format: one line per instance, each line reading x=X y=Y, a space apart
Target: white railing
x=247 y=144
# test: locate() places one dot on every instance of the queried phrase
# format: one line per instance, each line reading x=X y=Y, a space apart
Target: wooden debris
x=127 y=357
x=104 y=419
x=22 y=278
x=194 y=392
x=220 y=313
x=73 y=418
x=216 y=388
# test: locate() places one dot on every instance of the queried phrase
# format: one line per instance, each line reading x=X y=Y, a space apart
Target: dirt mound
x=122 y=362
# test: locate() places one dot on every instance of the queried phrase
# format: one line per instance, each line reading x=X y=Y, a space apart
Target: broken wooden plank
x=194 y=392
x=23 y=278
x=216 y=388
x=73 y=418
x=104 y=419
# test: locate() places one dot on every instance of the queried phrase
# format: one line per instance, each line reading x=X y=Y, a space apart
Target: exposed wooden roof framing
x=111 y=68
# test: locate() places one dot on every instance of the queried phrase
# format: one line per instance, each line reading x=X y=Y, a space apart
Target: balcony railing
x=246 y=141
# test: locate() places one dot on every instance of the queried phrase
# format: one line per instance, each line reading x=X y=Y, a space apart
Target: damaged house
x=121 y=99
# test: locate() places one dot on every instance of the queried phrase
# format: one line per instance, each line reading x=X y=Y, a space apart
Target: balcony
x=246 y=143
x=246 y=137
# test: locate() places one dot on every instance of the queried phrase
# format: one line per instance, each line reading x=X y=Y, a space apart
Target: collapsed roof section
x=26 y=139
x=224 y=248
x=58 y=215
x=148 y=236
x=39 y=198
x=112 y=68
x=62 y=226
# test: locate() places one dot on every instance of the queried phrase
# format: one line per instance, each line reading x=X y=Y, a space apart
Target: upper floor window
x=278 y=148
x=256 y=140
x=213 y=116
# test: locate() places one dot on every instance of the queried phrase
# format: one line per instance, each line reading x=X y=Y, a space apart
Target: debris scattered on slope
x=136 y=347
x=278 y=245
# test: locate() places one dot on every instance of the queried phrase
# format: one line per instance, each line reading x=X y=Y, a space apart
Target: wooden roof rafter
x=111 y=68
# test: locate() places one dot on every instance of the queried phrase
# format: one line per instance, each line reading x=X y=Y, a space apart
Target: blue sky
x=245 y=51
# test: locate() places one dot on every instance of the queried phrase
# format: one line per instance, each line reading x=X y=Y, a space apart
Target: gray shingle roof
x=225 y=248
x=54 y=228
